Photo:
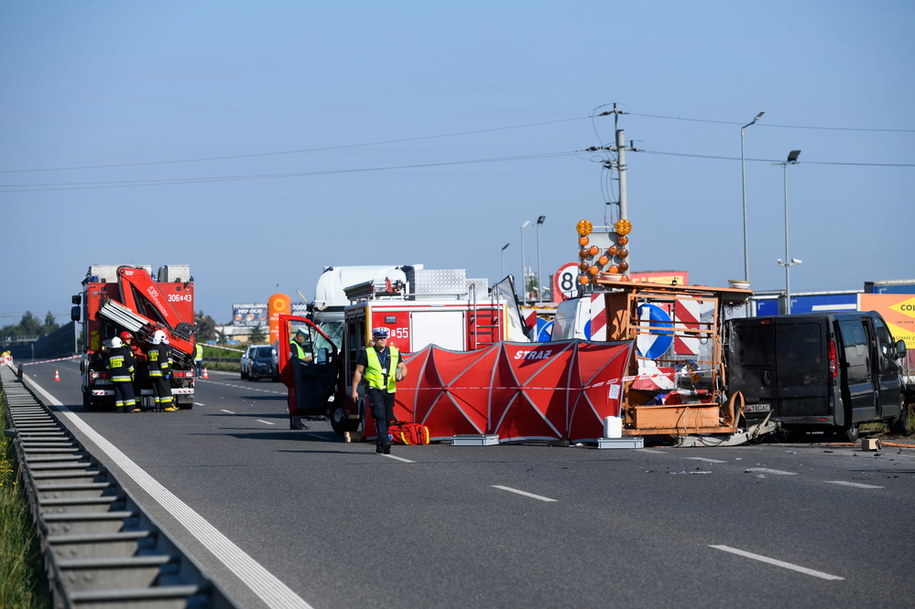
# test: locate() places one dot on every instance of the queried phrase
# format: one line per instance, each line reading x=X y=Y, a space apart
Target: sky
x=259 y=142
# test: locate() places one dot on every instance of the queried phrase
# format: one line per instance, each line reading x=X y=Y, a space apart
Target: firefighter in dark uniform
x=120 y=367
x=139 y=364
x=160 y=371
x=381 y=367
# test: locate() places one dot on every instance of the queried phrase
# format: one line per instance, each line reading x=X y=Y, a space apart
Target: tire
x=903 y=424
x=342 y=423
x=849 y=434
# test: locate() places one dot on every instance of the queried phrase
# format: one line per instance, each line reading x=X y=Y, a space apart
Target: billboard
x=898 y=310
x=257 y=314
x=249 y=315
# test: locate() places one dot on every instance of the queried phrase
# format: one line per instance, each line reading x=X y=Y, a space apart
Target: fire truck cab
x=419 y=307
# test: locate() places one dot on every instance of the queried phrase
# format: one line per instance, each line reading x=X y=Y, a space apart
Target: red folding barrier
x=521 y=391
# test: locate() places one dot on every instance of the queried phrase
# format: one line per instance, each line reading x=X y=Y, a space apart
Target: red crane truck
x=115 y=298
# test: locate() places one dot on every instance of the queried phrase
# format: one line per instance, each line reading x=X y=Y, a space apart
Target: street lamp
x=743 y=188
x=540 y=221
x=523 y=286
x=788 y=262
x=504 y=247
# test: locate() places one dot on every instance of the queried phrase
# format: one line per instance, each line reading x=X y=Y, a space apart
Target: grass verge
x=22 y=582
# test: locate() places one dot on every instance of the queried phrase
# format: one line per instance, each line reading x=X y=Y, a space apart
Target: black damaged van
x=817 y=371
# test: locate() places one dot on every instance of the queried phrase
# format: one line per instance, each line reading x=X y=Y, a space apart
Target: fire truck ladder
x=481 y=334
x=121 y=315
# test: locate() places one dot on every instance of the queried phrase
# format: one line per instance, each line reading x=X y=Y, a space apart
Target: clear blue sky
x=261 y=141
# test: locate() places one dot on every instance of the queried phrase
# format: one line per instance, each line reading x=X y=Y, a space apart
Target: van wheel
x=849 y=433
x=903 y=424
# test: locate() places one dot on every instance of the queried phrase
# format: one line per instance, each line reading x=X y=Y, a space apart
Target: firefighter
x=382 y=368
x=120 y=367
x=139 y=364
x=160 y=371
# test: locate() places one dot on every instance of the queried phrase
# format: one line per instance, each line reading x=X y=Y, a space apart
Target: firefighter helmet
x=158 y=337
x=125 y=335
x=116 y=343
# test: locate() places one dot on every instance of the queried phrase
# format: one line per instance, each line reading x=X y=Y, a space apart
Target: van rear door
x=802 y=367
x=780 y=363
x=751 y=364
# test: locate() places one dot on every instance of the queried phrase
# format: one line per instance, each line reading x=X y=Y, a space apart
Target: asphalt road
x=339 y=526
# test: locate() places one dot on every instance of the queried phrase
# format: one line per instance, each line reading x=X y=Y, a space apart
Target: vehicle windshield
x=263 y=353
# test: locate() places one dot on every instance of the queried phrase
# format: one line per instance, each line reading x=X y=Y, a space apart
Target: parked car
x=259 y=362
x=818 y=371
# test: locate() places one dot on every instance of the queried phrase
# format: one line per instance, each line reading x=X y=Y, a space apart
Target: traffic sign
x=657 y=340
x=565 y=281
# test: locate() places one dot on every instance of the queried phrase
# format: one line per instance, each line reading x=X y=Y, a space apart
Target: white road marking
x=650 y=450
x=706 y=460
x=854 y=484
x=227 y=411
x=774 y=472
x=779 y=563
x=265 y=422
x=250 y=388
x=525 y=493
x=399 y=458
x=274 y=593
x=199 y=404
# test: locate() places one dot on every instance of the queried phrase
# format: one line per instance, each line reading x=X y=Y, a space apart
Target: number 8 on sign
x=565 y=281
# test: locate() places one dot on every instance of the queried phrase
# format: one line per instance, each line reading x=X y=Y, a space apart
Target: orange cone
x=56 y=375
x=205 y=375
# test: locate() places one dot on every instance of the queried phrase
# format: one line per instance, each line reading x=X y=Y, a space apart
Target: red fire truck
x=115 y=298
x=419 y=307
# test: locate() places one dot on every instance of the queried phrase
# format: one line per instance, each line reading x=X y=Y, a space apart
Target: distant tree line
x=29 y=328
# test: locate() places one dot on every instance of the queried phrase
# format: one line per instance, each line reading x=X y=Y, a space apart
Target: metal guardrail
x=100 y=549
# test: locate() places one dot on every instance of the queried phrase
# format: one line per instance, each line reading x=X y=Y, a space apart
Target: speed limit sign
x=565 y=281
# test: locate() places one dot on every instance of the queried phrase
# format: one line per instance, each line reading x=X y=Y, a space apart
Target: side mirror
x=75 y=313
x=322 y=356
x=76 y=299
x=900 y=349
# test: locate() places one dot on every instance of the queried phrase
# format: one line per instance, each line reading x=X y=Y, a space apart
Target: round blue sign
x=659 y=337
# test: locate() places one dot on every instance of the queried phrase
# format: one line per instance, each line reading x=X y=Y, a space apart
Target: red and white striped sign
x=687 y=313
x=598 y=319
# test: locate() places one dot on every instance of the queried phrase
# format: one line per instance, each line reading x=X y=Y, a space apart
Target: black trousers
x=382 y=405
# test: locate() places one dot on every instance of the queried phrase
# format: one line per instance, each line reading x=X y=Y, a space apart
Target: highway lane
x=520 y=526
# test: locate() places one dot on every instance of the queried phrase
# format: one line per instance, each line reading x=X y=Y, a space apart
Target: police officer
x=160 y=371
x=120 y=366
x=198 y=360
x=299 y=355
x=381 y=367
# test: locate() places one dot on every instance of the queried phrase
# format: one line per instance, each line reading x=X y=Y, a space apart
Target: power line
x=297 y=151
x=10 y=188
x=765 y=125
x=730 y=158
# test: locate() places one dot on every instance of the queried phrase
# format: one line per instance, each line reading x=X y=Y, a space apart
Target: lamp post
x=504 y=247
x=523 y=291
x=540 y=221
x=788 y=262
x=743 y=189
